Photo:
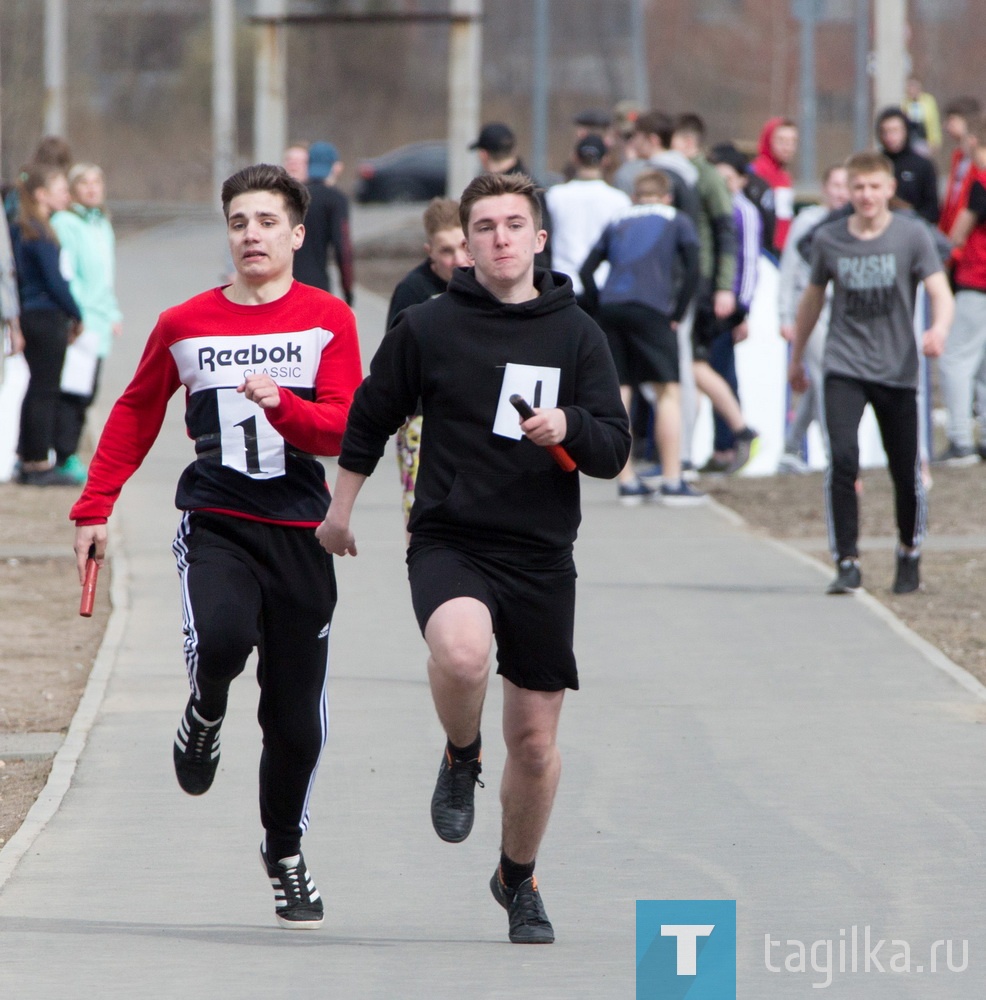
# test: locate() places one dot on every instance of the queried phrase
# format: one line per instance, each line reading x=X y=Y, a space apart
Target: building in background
x=139 y=75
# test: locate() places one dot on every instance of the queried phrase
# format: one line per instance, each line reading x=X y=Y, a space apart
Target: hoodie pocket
x=541 y=506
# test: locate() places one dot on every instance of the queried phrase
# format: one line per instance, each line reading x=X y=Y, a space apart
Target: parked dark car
x=415 y=172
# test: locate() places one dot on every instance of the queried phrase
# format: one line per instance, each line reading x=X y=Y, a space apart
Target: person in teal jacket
x=89 y=259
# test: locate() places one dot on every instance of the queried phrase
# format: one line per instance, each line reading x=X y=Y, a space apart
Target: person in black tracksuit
x=445 y=246
x=494 y=518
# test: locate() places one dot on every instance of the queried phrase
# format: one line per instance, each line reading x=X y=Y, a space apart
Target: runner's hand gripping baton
x=558 y=453
x=89 y=585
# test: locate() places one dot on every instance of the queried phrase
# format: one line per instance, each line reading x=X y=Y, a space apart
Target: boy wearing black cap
x=581 y=209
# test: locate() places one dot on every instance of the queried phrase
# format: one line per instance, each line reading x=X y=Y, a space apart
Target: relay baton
x=558 y=453
x=89 y=585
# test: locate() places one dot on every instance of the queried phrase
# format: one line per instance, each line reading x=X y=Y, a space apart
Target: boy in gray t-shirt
x=875 y=261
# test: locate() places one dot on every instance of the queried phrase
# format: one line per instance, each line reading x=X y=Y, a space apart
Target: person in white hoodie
x=581 y=209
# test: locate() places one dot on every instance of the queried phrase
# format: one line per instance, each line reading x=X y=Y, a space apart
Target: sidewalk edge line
x=67 y=757
x=927 y=649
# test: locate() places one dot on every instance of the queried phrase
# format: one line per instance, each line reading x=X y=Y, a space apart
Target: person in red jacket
x=958 y=114
x=269 y=366
x=775 y=153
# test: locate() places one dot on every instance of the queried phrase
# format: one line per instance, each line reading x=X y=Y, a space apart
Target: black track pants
x=247 y=584
x=896 y=415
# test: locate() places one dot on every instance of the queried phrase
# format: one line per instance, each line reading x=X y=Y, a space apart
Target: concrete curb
x=67 y=758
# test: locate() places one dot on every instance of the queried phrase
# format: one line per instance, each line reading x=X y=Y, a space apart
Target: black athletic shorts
x=532 y=606
x=643 y=345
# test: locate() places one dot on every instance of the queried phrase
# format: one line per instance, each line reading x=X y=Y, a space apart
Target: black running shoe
x=452 y=807
x=529 y=924
x=196 y=751
x=908 y=577
x=297 y=904
x=848 y=578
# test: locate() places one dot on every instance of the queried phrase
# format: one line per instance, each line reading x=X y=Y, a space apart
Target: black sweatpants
x=896 y=414
x=248 y=584
x=45 y=340
x=70 y=418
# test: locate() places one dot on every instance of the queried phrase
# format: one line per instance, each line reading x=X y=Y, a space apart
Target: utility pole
x=890 y=23
x=54 y=67
x=861 y=97
x=638 y=42
x=464 y=91
x=270 y=119
x=541 y=80
x=223 y=91
x=808 y=125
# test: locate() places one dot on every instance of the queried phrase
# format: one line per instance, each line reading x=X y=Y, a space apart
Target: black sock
x=211 y=704
x=470 y=752
x=745 y=434
x=278 y=848
x=513 y=874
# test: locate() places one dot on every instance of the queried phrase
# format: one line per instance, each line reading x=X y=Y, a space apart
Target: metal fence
x=139 y=76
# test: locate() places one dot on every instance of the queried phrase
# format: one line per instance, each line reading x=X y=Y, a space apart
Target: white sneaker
x=791 y=464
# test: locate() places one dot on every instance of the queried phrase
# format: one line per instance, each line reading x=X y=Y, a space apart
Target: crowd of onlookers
x=740 y=202
x=57 y=304
x=660 y=232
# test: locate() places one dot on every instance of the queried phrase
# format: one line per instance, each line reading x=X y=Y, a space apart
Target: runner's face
x=503 y=241
x=446 y=251
x=871 y=193
x=262 y=240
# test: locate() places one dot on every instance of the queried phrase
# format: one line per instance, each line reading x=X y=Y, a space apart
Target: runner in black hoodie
x=494 y=518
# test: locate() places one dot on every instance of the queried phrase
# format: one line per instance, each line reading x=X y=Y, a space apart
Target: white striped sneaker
x=297 y=904
x=196 y=751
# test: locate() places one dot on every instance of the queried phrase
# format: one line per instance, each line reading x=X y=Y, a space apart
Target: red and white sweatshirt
x=250 y=462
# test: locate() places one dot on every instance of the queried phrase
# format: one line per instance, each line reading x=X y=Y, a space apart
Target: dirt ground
x=47 y=650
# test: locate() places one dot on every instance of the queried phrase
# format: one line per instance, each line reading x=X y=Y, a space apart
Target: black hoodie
x=917 y=180
x=474 y=488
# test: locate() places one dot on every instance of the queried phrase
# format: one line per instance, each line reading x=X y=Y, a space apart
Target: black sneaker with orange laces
x=452 y=806
x=529 y=924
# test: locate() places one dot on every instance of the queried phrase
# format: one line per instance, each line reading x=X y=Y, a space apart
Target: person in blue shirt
x=653 y=252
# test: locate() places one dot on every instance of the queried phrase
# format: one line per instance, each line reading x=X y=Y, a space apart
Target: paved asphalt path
x=738 y=736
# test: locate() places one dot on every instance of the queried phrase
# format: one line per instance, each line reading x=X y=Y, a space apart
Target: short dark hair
x=655 y=123
x=691 y=124
x=963 y=107
x=267 y=177
x=893 y=111
x=494 y=185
